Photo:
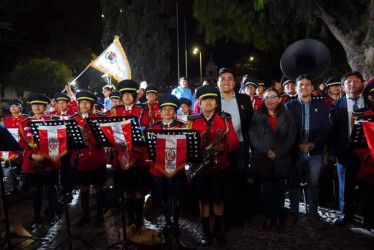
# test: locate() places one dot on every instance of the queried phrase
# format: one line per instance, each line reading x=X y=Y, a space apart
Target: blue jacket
x=319 y=124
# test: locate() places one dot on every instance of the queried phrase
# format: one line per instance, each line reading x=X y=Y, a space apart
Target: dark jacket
x=338 y=144
x=245 y=112
x=281 y=142
x=319 y=125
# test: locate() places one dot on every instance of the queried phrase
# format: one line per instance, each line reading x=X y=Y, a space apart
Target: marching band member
x=365 y=171
x=115 y=98
x=168 y=189
x=91 y=161
x=12 y=123
x=151 y=93
x=64 y=109
x=214 y=128
x=40 y=171
x=289 y=87
x=135 y=176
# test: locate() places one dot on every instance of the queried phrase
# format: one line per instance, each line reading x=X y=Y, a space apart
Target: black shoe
x=167 y=230
x=342 y=220
x=84 y=220
x=206 y=240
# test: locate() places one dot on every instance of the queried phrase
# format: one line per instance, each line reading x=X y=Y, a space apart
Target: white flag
x=113 y=61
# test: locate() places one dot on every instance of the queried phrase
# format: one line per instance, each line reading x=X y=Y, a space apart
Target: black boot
x=206 y=239
x=85 y=199
x=100 y=199
x=139 y=219
x=167 y=230
x=37 y=198
x=219 y=233
x=129 y=204
x=176 y=212
x=52 y=200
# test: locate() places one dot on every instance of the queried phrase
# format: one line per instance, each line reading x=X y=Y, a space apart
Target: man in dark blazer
x=313 y=128
x=342 y=117
x=240 y=108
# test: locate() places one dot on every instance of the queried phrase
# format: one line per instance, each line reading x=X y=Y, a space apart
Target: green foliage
x=269 y=24
x=40 y=75
x=144 y=27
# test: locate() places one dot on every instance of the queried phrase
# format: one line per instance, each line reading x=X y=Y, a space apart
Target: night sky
x=79 y=22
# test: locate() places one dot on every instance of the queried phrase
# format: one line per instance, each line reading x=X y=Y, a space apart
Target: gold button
x=89 y=153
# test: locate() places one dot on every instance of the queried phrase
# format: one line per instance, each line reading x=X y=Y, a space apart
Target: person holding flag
x=90 y=162
x=134 y=175
x=41 y=171
x=217 y=132
x=65 y=109
x=167 y=187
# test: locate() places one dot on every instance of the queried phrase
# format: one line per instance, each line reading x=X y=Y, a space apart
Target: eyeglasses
x=272 y=97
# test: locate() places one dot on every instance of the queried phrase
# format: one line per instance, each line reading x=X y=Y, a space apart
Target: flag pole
x=70 y=83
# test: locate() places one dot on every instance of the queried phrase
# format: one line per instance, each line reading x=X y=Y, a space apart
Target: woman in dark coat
x=272 y=136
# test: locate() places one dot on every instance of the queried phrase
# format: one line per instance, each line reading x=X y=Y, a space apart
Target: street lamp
x=195 y=51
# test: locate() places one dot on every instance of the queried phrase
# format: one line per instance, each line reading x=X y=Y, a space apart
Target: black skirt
x=95 y=177
x=168 y=189
x=136 y=179
x=210 y=187
x=40 y=179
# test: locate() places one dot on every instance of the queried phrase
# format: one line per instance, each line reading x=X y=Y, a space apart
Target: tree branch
x=370 y=32
x=337 y=33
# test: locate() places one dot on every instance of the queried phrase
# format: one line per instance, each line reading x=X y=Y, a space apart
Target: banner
x=369 y=135
x=8 y=155
x=52 y=141
x=119 y=135
x=113 y=61
x=171 y=153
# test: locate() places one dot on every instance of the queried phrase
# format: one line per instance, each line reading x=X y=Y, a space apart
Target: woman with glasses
x=272 y=135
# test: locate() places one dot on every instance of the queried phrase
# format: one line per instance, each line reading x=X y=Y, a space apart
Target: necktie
x=355 y=103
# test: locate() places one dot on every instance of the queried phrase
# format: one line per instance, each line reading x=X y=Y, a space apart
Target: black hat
x=115 y=95
x=207 y=91
x=129 y=86
x=39 y=99
x=225 y=70
x=185 y=101
x=369 y=87
x=151 y=89
x=169 y=100
x=61 y=96
x=86 y=96
x=11 y=102
x=333 y=81
x=260 y=83
x=285 y=80
x=250 y=81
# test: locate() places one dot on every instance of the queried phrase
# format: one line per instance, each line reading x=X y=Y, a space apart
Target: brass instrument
x=306 y=56
x=209 y=154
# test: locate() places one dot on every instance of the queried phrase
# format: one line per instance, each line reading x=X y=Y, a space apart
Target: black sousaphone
x=306 y=56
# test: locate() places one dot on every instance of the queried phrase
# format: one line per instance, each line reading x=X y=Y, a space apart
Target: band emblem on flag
x=52 y=141
x=119 y=135
x=171 y=153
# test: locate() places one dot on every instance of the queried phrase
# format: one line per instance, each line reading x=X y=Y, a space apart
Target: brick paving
x=248 y=235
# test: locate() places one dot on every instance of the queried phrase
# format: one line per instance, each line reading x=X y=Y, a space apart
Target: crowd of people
x=270 y=140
